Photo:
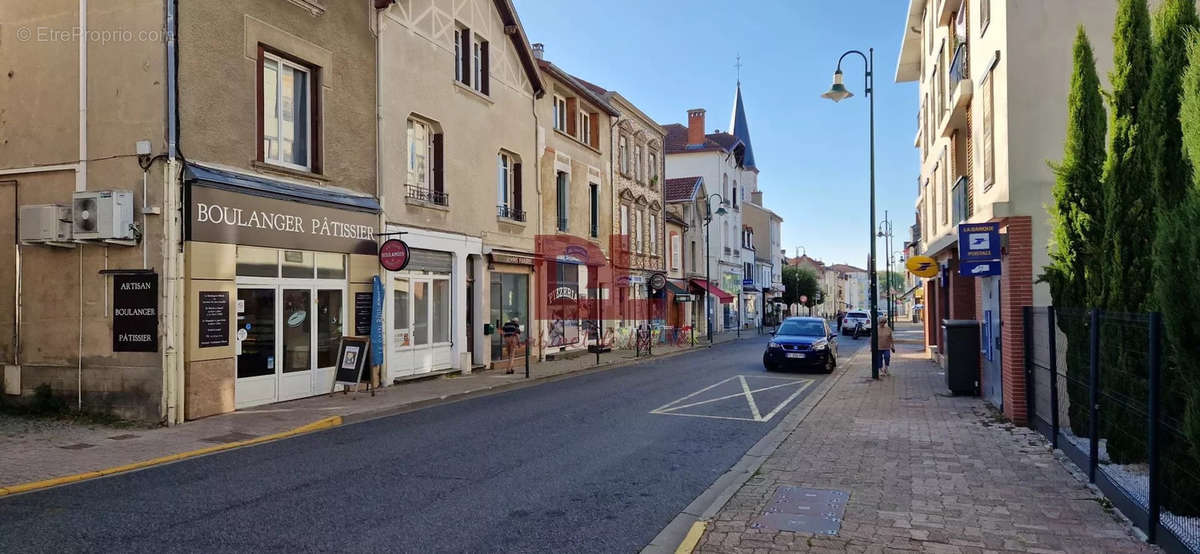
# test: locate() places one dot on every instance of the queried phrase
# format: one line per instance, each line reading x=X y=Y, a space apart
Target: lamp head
x=838 y=91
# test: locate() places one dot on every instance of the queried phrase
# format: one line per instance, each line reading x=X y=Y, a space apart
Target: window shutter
x=572 y=116
x=438 y=185
x=594 y=123
x=483 y=58
x=465 y=53
x=516 y=193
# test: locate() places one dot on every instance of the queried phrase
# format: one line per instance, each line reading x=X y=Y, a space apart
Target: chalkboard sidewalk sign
x=351 y=361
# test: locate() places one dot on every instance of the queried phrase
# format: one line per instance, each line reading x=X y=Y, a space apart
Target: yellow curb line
x=325 y=423
x=692 y=539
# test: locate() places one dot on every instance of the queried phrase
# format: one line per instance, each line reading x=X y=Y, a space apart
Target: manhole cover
x=77 y=446
x=804 y=510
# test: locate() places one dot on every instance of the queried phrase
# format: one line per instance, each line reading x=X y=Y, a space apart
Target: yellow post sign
x=922 y=266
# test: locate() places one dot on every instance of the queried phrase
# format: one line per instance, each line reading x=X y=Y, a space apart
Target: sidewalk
x=36 y=449
x=924 y=472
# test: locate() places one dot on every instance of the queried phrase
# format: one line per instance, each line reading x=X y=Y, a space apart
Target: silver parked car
x=853 y=319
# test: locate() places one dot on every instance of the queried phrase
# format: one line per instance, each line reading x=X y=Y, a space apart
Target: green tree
x=798 y=282
x=1075 y=216
x=1126 y=206
x=1170 y=170
x=1178 y=297
x=1128 y=229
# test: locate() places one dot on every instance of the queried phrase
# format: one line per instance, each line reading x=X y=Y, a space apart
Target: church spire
x=738 y=125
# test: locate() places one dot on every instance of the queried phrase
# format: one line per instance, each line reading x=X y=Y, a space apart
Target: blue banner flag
x=376 y=321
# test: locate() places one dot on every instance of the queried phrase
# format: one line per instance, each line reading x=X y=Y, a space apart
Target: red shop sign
x=393 y=255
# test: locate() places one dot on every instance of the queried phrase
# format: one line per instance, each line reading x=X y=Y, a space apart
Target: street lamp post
x=886 y=233
x=708 y=215
x=837 y=93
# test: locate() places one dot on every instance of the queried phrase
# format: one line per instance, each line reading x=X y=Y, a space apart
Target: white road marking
x=673 y=407
x=750 y=398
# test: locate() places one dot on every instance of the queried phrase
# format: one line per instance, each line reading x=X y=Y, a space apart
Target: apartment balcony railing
x=958 y=195
x=507 y=212
x=424 y=194
x=958 y=67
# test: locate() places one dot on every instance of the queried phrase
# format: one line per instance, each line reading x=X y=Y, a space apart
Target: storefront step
x=423 y=376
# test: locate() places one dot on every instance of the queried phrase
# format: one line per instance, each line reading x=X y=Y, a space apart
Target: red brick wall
x=1016 y=292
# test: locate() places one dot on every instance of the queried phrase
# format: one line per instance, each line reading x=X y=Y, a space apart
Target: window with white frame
x=637 y=162
x=477 y=58
x=420 y=154
x=560 y=113
x=625 y=238
x=286 y=133
x=676 y=251
x=623 y=154
x=653 y=230
x=638 y=245
x=585 y=127
x=462 y=44
x=988 y=129
x=505 y=181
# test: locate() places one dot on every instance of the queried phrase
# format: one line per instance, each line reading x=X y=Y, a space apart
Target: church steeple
x=738 y=125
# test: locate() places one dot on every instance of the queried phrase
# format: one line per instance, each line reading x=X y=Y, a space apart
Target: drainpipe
x=172 y=299
x=379 y=196
x=81 y=172
x=537 y=124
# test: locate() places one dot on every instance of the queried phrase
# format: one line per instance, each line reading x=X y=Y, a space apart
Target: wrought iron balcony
x=427 y=195
x=959 y=67
x=503 y=210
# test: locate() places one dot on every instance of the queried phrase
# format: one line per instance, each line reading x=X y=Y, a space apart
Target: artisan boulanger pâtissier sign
x=217 y=215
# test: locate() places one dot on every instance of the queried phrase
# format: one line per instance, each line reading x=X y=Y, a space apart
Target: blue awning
x=271 y=188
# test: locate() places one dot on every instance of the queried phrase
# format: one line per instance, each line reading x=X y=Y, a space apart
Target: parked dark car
x=802 y=342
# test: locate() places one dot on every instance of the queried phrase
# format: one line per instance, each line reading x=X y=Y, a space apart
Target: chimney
x=756 y=198
x=696 y=127
x=539 y=50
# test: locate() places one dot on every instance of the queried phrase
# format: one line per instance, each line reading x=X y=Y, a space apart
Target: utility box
x=45 y=223
x=103 y=215
x=961 y=346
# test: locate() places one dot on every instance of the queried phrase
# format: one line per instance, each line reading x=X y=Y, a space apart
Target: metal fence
x=1099 y=391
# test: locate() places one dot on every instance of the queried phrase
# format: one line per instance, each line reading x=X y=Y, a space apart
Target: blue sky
x=671 y=55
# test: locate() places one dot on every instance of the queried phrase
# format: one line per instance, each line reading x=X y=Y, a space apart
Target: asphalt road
x=578 y=465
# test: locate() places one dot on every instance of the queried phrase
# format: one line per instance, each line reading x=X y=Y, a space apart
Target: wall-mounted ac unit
x=103 y=215
x=45 y=224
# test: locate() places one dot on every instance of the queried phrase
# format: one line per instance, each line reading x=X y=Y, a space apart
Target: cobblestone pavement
x=34 y=449
x=925 y=472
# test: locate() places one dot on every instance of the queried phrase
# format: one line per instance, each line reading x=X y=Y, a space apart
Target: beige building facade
x=467 y=201
x=993 y=80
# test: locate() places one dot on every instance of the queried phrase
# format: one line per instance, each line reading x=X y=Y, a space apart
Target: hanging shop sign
x=214 y=318
x=658 y=281
x=218 y=215
x=922 y=266
x=393 y=254
x=135 y=312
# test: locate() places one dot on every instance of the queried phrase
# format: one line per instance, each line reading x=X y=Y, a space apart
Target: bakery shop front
x=273 y=271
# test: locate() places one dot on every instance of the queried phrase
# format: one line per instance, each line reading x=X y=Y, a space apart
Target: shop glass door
x=510 y=299
x=295 y=380
x=256 y=351
x=329 y=319
x=422 y=353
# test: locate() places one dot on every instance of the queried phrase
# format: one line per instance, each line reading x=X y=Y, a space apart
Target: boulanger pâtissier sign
x=217 y=215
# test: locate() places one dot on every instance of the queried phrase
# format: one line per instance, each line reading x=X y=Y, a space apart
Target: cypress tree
x=1128 y=233
x=1169 y=169
x=1075 y=215
x=1178 y=296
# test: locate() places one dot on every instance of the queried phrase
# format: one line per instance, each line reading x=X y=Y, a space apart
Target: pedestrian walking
x=886 y=345
x=512 y=334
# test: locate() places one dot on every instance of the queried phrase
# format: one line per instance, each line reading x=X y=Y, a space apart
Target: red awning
x=721 y=295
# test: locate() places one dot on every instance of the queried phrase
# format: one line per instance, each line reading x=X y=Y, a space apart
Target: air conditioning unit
x=103 y=215
x=45 y=223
